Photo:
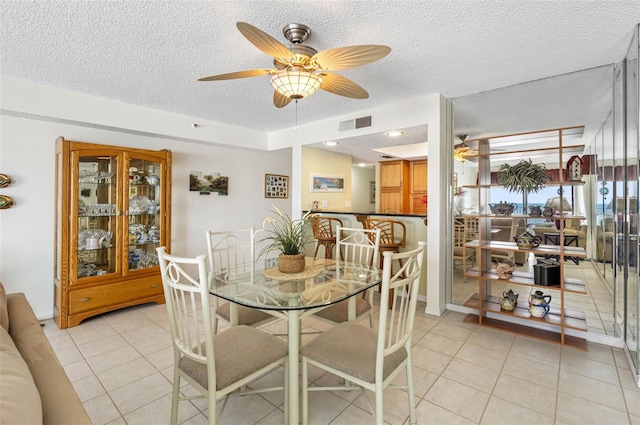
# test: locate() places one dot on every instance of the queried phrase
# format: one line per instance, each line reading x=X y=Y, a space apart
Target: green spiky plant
x=525 y=176
x=285 y=234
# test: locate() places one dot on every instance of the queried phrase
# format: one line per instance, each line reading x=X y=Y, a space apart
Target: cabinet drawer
x=111 y=294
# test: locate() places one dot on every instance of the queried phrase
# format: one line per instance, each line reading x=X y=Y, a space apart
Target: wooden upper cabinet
x=419 y=176
x=394 y=174
x=402 y=186
x=394 y=186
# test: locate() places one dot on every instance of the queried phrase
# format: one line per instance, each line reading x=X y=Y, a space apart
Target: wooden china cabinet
x=112 y=211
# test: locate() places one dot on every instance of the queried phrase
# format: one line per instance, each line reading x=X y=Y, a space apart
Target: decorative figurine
x=574 y=168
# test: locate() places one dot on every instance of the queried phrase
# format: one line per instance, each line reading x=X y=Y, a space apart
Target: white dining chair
x=365 y=357
x=215 y=365
x=359 y=246
x=233 y=253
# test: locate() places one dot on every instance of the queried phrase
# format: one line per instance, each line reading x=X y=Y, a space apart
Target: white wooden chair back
x=187 y=297
x=396 y=323
x=359 y=246
x=232 y=252
x=184 y=281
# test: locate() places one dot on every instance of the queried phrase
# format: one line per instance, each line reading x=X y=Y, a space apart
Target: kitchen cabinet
x=394 y=186
x=112 y=211
x=418 y=186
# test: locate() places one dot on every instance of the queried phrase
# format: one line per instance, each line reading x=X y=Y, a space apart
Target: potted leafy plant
x=288 y=236
x=525 y=176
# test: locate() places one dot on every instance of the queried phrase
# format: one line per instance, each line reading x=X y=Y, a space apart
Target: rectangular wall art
x=326 y=183
x=276 y=186
x=205 y=184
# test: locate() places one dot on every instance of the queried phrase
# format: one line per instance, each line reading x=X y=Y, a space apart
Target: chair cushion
x=240 y=351
x=20 y=402
x=459 y=251
x=4 y=313
x=351 y=348
x=246 y=315
x=339 y=312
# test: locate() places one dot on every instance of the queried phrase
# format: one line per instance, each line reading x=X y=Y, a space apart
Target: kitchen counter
x=416 y=225
x=370 y=213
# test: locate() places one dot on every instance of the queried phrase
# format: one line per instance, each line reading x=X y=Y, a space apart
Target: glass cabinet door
x=97 y=214
x=144 y=212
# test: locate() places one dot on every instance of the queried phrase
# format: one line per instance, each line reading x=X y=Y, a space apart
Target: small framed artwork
x=326 y=183
x=372 y=192
x=208 y=183
x=276 y=186
x=455 y=183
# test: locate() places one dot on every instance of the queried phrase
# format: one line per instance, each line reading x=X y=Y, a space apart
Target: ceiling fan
x=300 y=70
x=462 y=151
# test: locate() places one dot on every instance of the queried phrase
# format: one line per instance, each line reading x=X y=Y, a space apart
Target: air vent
x=387 y=156
x=363 y=122
x=355 y=124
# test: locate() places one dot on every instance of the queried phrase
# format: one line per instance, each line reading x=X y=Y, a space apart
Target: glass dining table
x=293 y=297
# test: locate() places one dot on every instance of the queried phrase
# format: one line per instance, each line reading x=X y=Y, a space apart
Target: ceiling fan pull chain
x=296 y=127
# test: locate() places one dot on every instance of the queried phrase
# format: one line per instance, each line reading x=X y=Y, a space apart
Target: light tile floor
x=121 y=366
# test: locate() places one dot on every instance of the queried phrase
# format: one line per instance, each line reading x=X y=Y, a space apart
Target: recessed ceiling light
x=362 y=164
x=394 y=133
x=330 y=143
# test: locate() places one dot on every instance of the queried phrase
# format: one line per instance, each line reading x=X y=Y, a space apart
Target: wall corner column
x=440 y=198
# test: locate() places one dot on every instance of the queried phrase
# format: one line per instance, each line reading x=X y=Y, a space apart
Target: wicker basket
x=291 y=263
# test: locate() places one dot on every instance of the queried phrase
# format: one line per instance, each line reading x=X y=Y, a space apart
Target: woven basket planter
x=291 y=263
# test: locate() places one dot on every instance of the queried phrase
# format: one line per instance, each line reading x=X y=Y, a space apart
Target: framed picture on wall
x=326 y=183
x=372 y=192
x=276 y=186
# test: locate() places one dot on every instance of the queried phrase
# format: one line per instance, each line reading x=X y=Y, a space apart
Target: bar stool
x=324 y=232
x=393 y=236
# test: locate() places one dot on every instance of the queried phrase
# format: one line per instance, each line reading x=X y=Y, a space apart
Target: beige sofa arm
x=60 y=403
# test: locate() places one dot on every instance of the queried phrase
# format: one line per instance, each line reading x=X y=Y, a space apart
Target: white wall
x=32 y=116
x=27 y=156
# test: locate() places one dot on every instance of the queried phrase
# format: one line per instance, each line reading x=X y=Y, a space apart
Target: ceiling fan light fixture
x=296 y=84
x=462 y=151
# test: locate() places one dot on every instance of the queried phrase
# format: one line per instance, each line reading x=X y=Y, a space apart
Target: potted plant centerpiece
x=288 y=236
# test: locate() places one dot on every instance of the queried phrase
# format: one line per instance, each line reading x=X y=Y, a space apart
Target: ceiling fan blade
x=265 y=42
x=337 y=84
x=280 y=100
x=239 y=74
x=349 y=57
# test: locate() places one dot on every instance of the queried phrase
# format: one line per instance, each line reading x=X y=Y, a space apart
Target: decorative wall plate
x=5 y=180
x=5 y=202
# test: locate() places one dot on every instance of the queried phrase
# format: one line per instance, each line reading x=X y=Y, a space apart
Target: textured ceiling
x=151 y=53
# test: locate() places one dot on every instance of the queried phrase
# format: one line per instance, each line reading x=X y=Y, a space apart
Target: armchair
x=604 y=240
x=507 y=228
x=571 y=227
